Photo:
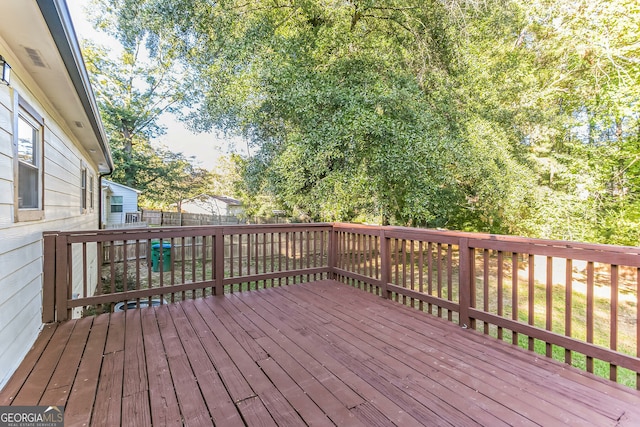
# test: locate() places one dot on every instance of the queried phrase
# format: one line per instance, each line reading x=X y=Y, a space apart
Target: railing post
x=333 y=252
x=49 y=278
x=466 y=284
x=62 y=279
x=218 y=272
x=385 y=263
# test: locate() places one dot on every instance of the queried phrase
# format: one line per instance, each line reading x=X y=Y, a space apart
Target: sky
x=206 y=148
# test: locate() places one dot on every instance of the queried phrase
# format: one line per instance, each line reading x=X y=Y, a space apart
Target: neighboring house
x=53 y=151
x=119 y=204
x=212 y=205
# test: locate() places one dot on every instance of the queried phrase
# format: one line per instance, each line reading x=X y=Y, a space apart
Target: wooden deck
x=319 y=354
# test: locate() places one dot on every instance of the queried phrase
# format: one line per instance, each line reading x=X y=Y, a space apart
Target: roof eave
x=57 y=18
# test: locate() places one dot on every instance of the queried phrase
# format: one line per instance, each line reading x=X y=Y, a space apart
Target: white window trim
x=91 y=192
x=22 y=108
x=84 y=181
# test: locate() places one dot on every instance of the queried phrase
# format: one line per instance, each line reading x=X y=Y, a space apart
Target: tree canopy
x=497 y=116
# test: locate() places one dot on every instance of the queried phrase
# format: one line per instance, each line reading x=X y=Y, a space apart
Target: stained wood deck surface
x=318 y=354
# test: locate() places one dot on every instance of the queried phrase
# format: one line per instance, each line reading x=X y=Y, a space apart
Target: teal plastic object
x=165 y=253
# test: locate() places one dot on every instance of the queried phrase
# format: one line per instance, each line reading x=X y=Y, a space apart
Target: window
x=91 y=183
x=83 y=188
x=28 y=171
x=116 y=204
x=28 y=134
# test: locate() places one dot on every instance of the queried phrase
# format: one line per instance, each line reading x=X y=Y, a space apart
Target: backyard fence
x=177 y=219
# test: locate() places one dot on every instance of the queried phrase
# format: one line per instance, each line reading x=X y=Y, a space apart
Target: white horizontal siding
x=14 y=300
x=21 y=332
x=6 y=192
x=25 y=273
x=6 y=148
x=21 y=248
x=5 y=117
x=14 y=259
x=129 y=204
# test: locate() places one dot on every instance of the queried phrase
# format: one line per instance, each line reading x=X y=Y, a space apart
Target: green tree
x=474 y=115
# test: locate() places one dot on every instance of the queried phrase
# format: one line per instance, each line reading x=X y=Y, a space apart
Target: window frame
x=121 y=204
x=23 y=110
x=91 y=191
x=83 y=188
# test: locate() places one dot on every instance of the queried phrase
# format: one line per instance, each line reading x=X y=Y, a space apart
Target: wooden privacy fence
x=170 y=219
x=571 y=301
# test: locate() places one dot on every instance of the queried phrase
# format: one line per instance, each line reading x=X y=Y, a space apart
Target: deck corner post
x=385 y=263
x=218 y=253
x=49 y=277
x=62 y=284
x=465 y=285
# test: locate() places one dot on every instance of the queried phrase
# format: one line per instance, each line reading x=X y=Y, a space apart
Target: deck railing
x=91 y=272
x=571 y=301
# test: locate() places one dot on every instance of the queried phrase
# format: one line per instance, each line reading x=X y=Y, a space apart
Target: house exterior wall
x=129 y=201
x=21 y=247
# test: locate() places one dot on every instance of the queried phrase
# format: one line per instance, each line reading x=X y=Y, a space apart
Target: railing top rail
x=425 y=234
x=156 y=232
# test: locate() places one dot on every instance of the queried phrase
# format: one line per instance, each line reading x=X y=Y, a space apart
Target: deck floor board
x=433 y=358
x=319 y=353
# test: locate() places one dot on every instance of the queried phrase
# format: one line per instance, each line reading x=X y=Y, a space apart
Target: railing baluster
x=613 y=333
x=412 y=277
x=125 y=272
x=161 y=270
x=439 y=291
x=286 y=256
x=449 y=280
x=485 y=288
x=308 y=255
x=240 y=261
x=514 y=294
x=430 y=274
x=590 y=312
x=85 y=271
x=112 y=266
x=568 y=314
x=279 y=257
x=467 y=283
x=272 y=254
x=137 y=250
x=149 y=266
x=194 y=257
x=385 y=263
x=421 y=273
x=500 y=284
x=404 y=269
x=549 y=301
x=531 y=266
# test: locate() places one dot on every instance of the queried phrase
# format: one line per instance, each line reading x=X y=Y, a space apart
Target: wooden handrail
x=489 y=294
x=471 y=278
